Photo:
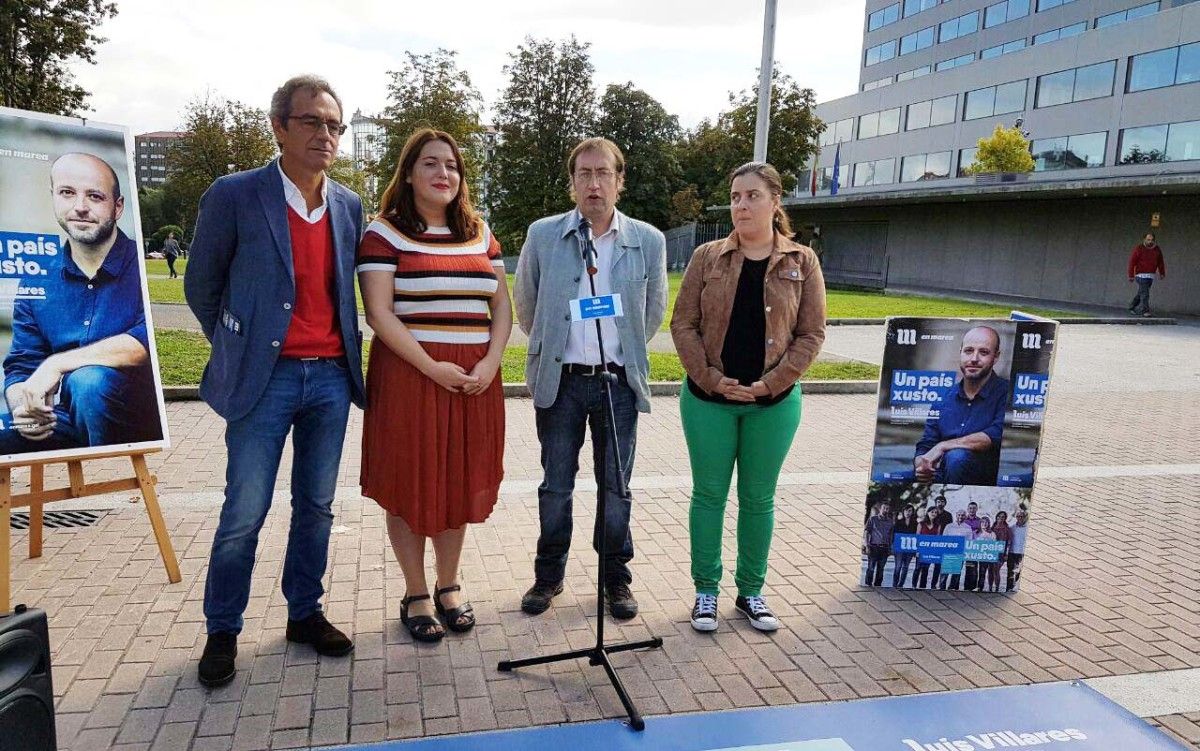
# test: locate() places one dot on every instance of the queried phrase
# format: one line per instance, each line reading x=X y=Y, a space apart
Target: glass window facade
x=883 y=17
x=881 y=52
x=918 y=40
x=878 y=84
x=955 y=62
x=1177 y=142
x=1168 y=67
x=968 y=23
x=912 y=7
x=880 y=123
x=966 y=157
x=918 y=115
x=825 y=177
x=1002 y=49
x=995 y=100
x=838 y=132
x=1003 y=12
x=1048 y=4
x=1112 y=19
x=924 y=70
x=918 y=167
x=1076 y=84
x=878 y=172
x=1065 y=32
x=1069 y=152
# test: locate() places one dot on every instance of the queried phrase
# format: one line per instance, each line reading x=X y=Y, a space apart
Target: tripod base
x=597 y=655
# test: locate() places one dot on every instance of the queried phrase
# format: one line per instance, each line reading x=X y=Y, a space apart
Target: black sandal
x=424 y=628
x=460 y=619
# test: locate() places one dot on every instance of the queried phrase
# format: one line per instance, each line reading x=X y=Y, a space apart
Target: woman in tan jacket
x=748 y=321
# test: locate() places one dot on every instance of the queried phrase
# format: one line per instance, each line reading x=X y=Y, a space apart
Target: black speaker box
x=26 y=692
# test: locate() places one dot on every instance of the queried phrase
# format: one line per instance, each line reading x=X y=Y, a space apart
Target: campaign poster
x=958 y=431
x=80 y=369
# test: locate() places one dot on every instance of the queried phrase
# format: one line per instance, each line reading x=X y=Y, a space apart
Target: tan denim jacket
x=794 y=293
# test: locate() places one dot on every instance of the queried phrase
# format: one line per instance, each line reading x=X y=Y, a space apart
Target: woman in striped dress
x=433 y=434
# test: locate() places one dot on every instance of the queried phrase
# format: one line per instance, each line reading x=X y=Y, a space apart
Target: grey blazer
x=548 y=274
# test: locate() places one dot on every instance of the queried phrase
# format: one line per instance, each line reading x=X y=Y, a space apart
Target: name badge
x=591 y=308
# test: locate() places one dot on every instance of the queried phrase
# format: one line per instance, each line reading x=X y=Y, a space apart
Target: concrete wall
x=1070 y=250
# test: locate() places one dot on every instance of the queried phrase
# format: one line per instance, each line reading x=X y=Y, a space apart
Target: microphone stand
x=605 y=437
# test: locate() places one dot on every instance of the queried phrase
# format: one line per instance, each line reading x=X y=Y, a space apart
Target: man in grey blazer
x=564 y=360
x=271 y=280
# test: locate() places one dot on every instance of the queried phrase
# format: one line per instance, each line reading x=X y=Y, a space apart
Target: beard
x=98 y=234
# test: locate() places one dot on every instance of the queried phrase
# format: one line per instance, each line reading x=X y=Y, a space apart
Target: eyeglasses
x=585 y=176
x=314 y=124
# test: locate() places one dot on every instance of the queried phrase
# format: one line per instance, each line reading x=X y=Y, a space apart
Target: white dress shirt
x=582 y=347
x=295 y=198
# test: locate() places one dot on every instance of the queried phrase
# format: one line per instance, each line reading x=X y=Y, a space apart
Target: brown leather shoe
x=537 y=599
x=621 y=602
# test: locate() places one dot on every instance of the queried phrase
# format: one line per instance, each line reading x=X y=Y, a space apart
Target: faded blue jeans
x=310 y=399
x=560 y=430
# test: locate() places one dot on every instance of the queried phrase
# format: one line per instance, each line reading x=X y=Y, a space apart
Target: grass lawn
x=841 y=303
x=183 y=354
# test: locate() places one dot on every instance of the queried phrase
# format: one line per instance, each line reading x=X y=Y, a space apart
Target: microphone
x=587 y=248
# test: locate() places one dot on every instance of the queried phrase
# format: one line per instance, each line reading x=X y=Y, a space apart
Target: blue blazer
x=240 y=284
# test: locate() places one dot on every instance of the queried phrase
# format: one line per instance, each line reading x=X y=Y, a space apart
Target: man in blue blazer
x=271 y=280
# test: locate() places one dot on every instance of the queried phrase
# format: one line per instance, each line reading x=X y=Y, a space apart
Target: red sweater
x=313 y=331
x=1145 y=260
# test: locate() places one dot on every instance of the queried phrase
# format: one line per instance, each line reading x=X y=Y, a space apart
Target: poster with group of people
x=76 y=343
x=958 y=430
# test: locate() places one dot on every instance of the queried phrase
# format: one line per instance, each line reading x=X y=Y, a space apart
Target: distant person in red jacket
x=1144 y=262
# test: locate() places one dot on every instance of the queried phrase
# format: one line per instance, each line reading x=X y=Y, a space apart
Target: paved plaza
x=1111 y=583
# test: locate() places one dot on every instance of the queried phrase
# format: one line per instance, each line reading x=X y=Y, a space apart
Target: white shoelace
x=706 y=605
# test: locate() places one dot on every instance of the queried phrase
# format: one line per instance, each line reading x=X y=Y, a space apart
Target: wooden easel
x=38 y=496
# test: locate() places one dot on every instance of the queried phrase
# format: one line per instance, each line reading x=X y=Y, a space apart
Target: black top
x=744 y=352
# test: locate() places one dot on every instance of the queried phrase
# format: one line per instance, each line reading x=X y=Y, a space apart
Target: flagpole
x=763 y=121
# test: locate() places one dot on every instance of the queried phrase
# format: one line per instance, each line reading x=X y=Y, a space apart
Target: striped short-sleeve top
x=443 y=287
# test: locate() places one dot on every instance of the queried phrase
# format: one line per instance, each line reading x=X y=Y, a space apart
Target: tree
x=1006 y=150
x=344 y=172
x=429 y=91
x=686 y=206
x=547 y=107
x=714 y=149
x=648 y=136
x=221 y=137
x=38 y=40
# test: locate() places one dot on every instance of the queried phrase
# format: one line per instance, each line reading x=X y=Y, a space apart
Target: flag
x=837 y=166
x=812 y=183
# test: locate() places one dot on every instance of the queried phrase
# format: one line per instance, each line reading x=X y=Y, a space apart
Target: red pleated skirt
x=433 y=457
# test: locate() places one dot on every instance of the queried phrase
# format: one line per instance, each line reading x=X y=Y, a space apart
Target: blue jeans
x=97 y=406
x=966 y=467
x=560 y=429
x=313 y=398
x=1141 y=300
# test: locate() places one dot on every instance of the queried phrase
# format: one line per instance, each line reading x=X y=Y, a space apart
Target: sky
x=688 y=54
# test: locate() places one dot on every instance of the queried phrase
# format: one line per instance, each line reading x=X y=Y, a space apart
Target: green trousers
x=757 y=440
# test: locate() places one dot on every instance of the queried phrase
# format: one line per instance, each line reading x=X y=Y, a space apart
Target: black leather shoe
x=620 y=600
x=321 y=634
x=217 y=663
x=537 y=599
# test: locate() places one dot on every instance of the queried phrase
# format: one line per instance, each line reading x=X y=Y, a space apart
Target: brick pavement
x=1110 y=588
